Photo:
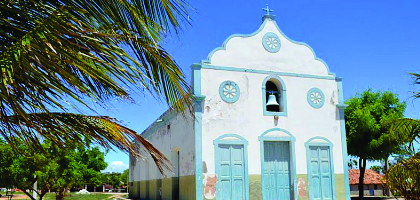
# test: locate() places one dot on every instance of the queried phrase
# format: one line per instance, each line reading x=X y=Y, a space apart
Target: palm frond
x=78 y=52
x=404 y=178
x=66 y=128
x=404 y=130
x=67 y=55
x=416 y=78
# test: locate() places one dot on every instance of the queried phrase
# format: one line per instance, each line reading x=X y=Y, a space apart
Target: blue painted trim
x=198 y=111
x=267 y=46
x=343 y=138
x=291 y=139
x=342 y=106
x=241 y=141
x=225 y=98
x=309 y=98
x=326 y=143
x=223 y=47
x=257 y=71
x=219 y=140
x=329 y=144
x=196 y=78
x=283 y=97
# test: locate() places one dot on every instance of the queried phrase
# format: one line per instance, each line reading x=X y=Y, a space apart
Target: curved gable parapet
x=247 y=51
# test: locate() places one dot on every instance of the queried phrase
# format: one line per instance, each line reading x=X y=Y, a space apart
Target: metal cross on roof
x=268 y=10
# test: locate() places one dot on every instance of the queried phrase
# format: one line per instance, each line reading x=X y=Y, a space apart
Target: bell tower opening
x=273 y=96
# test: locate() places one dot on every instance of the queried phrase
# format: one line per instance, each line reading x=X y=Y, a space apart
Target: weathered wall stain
x=301 y=187
x=210 y=181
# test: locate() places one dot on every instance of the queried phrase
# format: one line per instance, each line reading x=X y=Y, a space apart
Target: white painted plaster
x=319 y=141
x=179 y=137
x=231 y=139
x=245 y=117
x=248 y=52
x=277 y=134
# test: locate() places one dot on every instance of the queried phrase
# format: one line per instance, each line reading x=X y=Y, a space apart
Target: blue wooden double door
x=231 y=172
x=320 y=173
x=276 y=171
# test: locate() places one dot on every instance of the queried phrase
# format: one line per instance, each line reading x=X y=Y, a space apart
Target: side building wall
x=173 y=135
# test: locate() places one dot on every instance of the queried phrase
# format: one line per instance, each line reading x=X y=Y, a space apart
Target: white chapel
x=268 y=124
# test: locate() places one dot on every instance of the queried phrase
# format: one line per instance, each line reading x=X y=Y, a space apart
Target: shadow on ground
x=375 y=198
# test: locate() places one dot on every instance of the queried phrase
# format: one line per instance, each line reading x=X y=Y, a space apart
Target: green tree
x=124 y=176
x=113 y=179
x=80 y=53
x=51 y=167
x=18 y=167
x=377 y=168
x=367 y=132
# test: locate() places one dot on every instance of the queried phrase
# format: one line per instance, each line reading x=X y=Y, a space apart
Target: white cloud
x=116 y=167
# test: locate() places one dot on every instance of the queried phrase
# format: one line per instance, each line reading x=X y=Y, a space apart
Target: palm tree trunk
x=362 y=168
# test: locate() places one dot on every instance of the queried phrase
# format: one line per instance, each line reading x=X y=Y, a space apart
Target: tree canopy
x=53 y=168
x=367 y=130
x=366 y=116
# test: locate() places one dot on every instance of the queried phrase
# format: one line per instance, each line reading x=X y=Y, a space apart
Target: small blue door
x=231 y=175
x=276 y=171
x=320 y=173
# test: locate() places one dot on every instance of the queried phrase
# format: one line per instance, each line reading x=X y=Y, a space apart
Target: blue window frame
x=326 y=188
x=230 y=142
x=267 y=137
x=281 y=96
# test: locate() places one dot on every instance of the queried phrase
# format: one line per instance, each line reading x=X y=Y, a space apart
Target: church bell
x=272 y=100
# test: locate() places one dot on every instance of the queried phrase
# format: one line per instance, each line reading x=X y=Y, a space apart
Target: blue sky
x=368 y=43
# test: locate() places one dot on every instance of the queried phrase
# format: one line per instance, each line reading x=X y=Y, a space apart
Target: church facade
x=268 y=124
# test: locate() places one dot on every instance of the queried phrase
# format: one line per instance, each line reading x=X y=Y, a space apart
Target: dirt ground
x=92 y=196
x=376 y=198
x=15 y=196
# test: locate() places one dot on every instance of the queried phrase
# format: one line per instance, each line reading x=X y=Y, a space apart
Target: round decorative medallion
x=271 y=42
x=229 y=91
x=316 y=98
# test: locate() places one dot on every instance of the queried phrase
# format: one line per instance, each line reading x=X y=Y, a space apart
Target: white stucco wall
x=245 y=117
x=179 y=137
x=248 y=52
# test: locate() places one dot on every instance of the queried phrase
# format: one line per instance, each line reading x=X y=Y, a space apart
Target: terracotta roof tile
x=371 y=177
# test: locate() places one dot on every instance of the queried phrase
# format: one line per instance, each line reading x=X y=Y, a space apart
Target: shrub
x=404 y=178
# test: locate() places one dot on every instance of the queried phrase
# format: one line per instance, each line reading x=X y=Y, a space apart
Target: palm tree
x=404 y=177
x=406 y=130
x=56 y=53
